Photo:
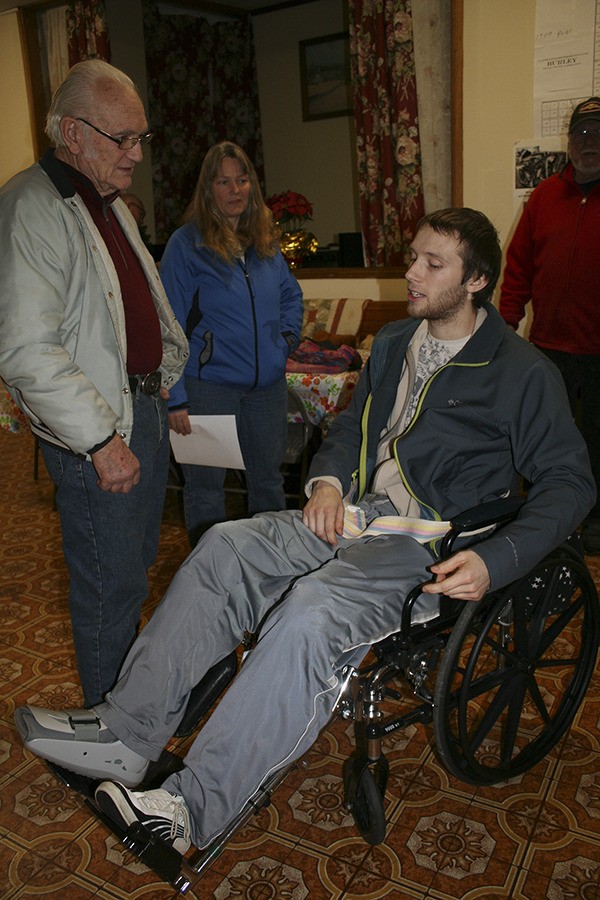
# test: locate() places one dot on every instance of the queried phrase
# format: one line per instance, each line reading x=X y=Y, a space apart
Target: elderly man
x=452 y=409
x=552 y=262
x=89 y=347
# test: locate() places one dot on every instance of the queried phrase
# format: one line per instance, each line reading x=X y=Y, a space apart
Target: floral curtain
x=202 y=88
x=54 y=49
x=87 y=31
x=387 y=133
x=236 y=112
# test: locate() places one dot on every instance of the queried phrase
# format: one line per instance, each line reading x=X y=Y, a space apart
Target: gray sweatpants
x=326 y=606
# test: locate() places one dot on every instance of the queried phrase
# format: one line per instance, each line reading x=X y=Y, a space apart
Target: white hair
x=77 y=95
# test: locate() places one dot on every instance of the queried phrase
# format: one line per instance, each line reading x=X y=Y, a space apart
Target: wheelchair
x=510 y=674
x=512 y=671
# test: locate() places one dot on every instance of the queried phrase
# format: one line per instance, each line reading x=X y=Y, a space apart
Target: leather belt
x=148 y=384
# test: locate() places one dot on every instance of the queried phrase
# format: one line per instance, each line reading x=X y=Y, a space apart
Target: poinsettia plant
x=290 y=209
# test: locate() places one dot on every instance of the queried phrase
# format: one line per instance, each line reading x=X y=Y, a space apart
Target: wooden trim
x=32 y=64
x=456 y=100
x=226 y=11
x=30 y=48
x=378 y=313
x=374 y=272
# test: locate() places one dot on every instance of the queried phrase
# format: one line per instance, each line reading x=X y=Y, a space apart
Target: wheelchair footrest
x=159 y=856
x=83 y=784
x=168 y=863
x=155 y=853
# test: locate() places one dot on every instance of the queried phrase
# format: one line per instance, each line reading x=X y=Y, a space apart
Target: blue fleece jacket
x=246 y=316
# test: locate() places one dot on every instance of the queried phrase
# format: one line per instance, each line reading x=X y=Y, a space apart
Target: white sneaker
x=160 y=811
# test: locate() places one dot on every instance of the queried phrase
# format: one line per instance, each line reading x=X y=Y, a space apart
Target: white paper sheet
x=213 y=442
x=565 y=61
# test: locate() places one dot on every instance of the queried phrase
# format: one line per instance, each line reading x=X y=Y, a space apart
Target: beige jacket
x=63 y=344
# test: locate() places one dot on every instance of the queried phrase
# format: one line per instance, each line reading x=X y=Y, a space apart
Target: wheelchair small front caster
x=365 y=801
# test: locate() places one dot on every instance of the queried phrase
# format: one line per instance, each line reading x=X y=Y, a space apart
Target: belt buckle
x=150 y=383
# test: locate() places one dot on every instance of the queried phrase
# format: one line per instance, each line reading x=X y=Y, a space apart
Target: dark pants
x=581 y=374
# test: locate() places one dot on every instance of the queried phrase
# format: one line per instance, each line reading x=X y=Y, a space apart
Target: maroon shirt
x=142 y=326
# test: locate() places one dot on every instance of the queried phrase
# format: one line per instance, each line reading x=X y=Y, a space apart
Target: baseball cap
x=585 y=111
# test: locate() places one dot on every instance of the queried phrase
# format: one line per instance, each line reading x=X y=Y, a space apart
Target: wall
x=498 y=102
x=362 y=287
x=497 y=110
x=16 y=147
x=315 y=158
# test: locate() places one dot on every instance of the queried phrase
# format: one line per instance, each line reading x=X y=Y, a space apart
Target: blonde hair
x=255 y=227
x=77 y=94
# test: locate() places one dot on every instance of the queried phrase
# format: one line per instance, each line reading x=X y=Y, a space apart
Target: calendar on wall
x=566 y=62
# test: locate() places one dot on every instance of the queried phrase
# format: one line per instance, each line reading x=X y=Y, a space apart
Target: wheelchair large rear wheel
x=514 y=672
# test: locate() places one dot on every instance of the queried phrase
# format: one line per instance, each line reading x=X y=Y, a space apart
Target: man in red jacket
x=552 y=261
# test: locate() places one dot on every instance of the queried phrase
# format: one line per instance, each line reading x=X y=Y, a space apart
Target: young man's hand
x=324 y=512
x=463 y=576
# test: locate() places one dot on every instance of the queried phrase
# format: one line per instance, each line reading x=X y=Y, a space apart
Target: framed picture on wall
x=325 y=77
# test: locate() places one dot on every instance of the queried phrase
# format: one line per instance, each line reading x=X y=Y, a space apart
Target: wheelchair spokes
x=510 y=683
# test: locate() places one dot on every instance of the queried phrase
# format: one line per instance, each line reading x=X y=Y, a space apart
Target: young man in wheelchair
x=453 y=409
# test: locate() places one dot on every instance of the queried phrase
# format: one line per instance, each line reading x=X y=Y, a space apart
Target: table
x=323 y=395
x=11 y=417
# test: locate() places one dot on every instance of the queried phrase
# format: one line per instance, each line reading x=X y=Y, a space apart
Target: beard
x=440 y=308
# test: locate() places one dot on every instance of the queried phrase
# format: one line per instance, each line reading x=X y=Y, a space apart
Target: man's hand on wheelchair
x=463 y=576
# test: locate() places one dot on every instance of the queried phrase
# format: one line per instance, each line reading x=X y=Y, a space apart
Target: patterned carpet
x=537 y=837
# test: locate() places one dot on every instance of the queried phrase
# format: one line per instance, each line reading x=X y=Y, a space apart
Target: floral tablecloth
x=323 y=395
x=11 y=417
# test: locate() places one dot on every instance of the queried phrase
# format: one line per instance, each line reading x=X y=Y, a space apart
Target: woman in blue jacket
x=241 y=308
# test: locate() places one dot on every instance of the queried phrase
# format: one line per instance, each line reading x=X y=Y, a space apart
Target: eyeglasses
x=582 y=133
x=123 y=143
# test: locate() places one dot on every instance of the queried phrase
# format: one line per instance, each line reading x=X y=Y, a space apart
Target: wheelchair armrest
x=495 y=512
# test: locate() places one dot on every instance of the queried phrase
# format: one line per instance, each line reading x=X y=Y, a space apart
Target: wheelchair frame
x=492 y=718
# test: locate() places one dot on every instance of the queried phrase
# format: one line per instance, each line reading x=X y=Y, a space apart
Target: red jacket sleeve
x=515 y=292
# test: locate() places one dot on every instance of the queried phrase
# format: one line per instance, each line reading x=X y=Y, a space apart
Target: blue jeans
x=109 y=542
x=261 y=418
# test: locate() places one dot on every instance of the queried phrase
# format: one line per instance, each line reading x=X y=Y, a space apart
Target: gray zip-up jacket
x=63 y=346
x=495 y=415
